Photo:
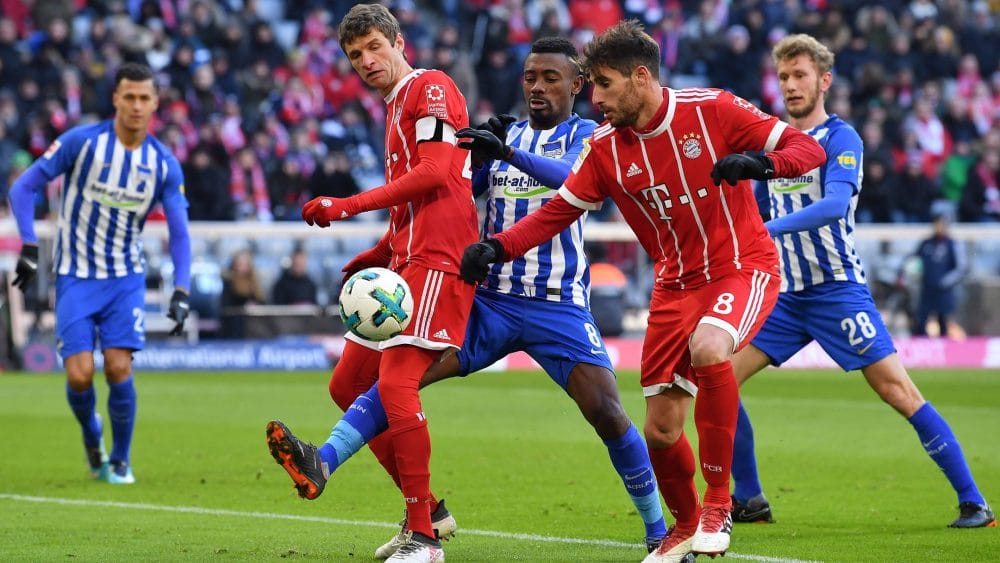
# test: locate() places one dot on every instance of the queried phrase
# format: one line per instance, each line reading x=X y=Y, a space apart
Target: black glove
x=178 y=311
x=477 y=258
x=498 y=125
x=27 y=266
x=483 y=144
x=738 y=166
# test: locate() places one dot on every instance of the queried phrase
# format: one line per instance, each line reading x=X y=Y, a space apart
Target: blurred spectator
x=263 y=45
x=981 y=198
x=257 y=88
x=333 y=177
x=288 y=189
x=875 y=202
x=294 y=286
x=955 y=176
x=204 y=97
x=248 y=187
x=942 y=261
x=940 y=59
x=912 y=193
x=449 y=58
x=548 y=17
x=206 y=185
x=239 y=289
x=728 y=69
x=930 y=134
x=497 y=77
x=598 y=15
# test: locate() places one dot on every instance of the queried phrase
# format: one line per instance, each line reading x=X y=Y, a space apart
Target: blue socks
x=364 y=420
x=83 y=404
x=631 y=459
x=121 y=411
x=940 y=443
x=745 y=477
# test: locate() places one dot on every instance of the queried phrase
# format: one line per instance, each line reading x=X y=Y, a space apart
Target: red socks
x=400 y=373
x=715 y=412
x=674 y=469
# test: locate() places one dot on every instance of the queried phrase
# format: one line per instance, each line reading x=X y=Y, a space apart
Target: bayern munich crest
x=691 y=145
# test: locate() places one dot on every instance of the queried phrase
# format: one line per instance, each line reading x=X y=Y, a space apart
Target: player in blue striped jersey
x=114 y=174
x=823 y=281
x=538 y=304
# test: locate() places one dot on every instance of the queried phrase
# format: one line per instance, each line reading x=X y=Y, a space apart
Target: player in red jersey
x=662 y=156
x=432 y=218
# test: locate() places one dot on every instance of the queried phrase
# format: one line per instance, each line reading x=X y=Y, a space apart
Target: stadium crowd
x=264 y=111
x=262 y=108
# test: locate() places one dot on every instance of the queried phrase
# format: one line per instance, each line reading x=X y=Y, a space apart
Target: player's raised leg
x=889 y=379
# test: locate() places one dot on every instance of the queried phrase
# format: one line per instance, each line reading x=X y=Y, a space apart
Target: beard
x=627 y=113
x=810 y=104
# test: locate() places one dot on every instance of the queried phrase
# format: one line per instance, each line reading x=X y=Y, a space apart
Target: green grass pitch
x=522 y=472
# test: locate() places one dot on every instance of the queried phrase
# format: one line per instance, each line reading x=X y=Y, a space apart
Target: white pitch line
x=367 y=523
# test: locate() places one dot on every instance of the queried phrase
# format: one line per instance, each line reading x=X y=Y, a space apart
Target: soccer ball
x=376 y=304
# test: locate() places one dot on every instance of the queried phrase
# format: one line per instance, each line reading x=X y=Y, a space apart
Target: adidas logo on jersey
x=633 y=170
x=442 y=334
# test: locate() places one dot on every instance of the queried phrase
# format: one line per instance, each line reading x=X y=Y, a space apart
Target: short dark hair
x=623 y=47
x=557 y=45
x=362 y=18
x=554 y=44
x=136 y=72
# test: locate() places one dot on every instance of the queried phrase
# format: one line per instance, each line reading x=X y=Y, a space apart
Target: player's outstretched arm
x=548 y=221
x=430 y=174
x=829 y=209
x=795 y=153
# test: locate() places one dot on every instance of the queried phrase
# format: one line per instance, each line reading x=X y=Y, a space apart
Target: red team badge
x=436 y=104
x=691 y=145
x=740 y=102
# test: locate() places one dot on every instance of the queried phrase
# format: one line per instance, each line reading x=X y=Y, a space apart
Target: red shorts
x=737 y=303
x=441 y=306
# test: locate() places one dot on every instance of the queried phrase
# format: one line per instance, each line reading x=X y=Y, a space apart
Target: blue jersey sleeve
x=173 y=186
x=552 y=172
x=832 y=207
x=175 y=207
x=843 y=157
x=61 y=154
x=480 y=180
x=57 y=160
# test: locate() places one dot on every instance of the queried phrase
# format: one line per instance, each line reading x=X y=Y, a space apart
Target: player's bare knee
x=117 y=367
x=660 y=437
x=608 y=419
x=710 y=348
x=902 y=396
x=79 y=379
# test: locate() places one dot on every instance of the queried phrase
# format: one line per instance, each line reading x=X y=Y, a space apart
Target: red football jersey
x=661 y=181
x=434 y=229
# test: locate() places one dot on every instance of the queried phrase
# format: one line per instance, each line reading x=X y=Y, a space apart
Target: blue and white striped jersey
x=108 y=190
x=556 y=270
x=827 y=253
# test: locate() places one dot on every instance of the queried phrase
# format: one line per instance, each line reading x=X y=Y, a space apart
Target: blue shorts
x=556 y=335
x=112 y=309
x=841 y=316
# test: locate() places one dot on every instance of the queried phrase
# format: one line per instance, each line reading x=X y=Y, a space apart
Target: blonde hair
x=802 y=44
